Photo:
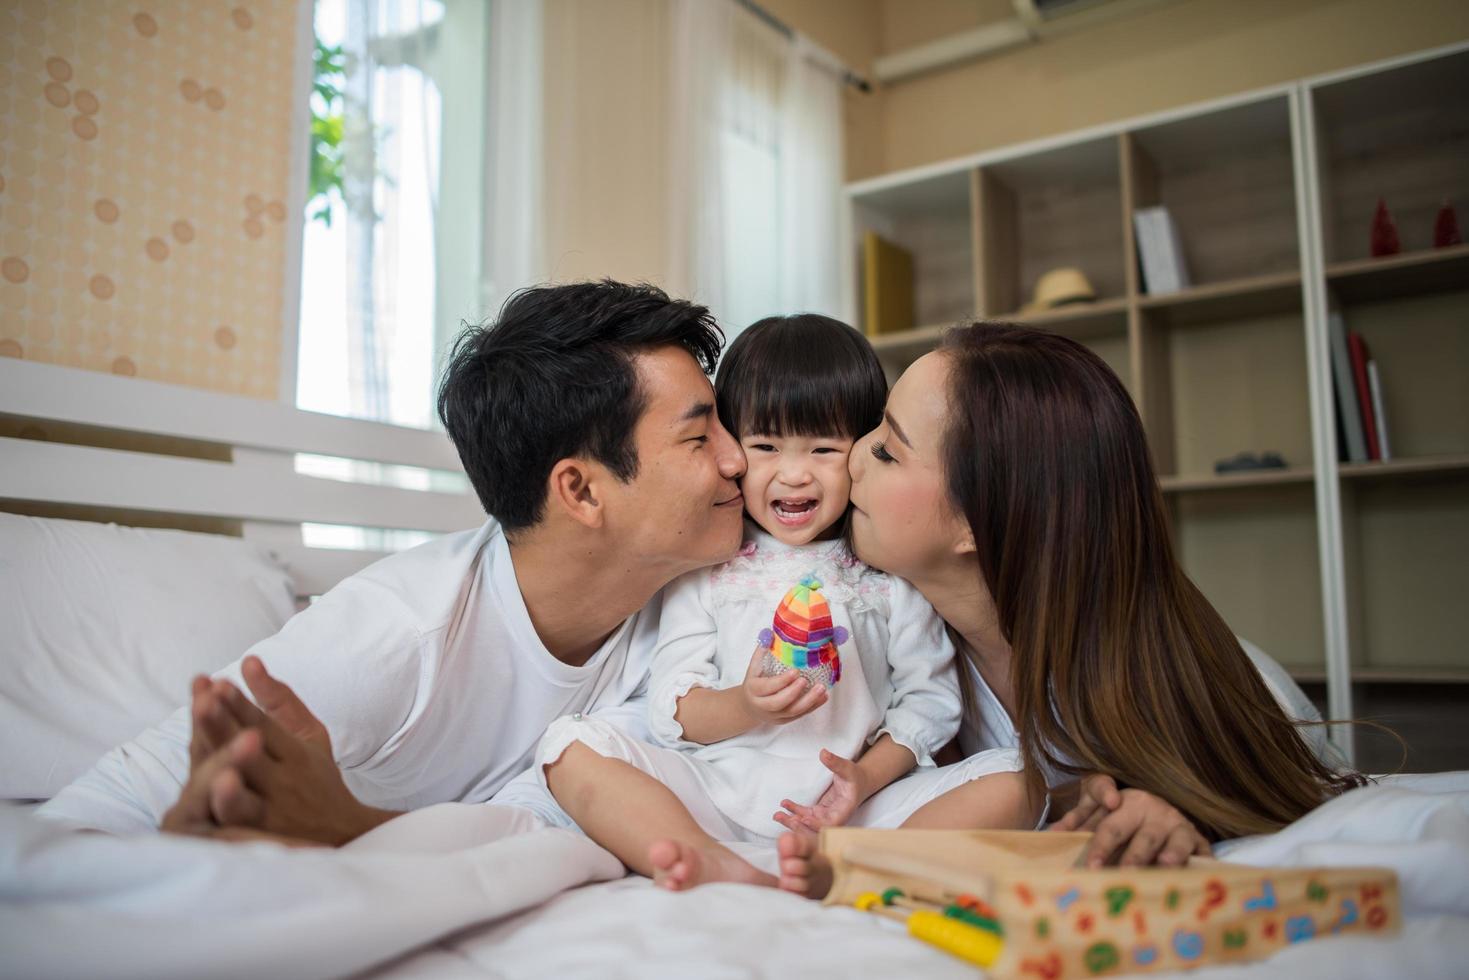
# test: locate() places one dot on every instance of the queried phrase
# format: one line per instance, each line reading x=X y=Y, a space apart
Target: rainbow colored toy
x=803 y=637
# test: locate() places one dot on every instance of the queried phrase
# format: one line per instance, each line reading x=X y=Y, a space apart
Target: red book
x=1360 y=357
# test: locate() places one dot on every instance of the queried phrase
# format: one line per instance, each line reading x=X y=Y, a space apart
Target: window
x=387 y=274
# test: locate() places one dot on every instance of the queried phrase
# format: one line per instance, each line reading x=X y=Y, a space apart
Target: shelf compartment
x=1056 y=209
x=1229 y=481
x=1408 y=675
x=1413 y=274
x=1400 y=135
x=1102 y=326
x=1417 y=466
x=1081 y=321
x=1227 y=178
x=932 y=220
x=1421 y=346
x=1215 y=391
x=1254 y=555
x=909 y=345
x=1406 y=544
x=1423 y=708
x=1252 y=296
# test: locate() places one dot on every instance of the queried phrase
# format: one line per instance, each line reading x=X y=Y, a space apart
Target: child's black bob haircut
x=801 y=375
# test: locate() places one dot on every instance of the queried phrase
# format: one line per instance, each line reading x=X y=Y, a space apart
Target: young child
x=791 y=676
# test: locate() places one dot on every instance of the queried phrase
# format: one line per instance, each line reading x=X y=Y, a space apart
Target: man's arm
x=354 y=656
x=275 y=774
x=130 y=787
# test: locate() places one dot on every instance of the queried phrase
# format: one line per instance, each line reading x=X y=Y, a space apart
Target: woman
x=1011 y=483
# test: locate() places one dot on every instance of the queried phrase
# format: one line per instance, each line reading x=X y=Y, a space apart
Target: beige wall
x=1180 y=52
x=853 y=31
x=606 y=143
x=144 y=155
x=605 y=139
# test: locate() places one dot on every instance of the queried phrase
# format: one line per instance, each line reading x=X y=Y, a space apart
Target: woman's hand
x=835 y=808
x=1131 y=827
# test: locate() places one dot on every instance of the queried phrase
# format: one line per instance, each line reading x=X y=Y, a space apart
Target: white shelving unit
x=1353 y=575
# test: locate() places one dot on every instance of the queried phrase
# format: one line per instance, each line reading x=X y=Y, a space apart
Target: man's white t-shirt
x=428 y=674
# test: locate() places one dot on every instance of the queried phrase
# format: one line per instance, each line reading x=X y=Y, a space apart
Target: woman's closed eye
x=880 y=451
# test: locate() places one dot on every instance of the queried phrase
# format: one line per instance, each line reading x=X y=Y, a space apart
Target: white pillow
x=101 y=628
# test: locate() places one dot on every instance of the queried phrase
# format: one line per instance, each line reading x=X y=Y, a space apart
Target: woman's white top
x=897 y=672
x=987 y=724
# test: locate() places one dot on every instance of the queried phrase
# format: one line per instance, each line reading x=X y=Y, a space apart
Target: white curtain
x=515 y=207
x=811 y=181
x=700 y=36
x=755 y=166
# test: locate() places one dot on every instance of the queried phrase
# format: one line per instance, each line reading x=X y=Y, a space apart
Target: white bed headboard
x=250 y=476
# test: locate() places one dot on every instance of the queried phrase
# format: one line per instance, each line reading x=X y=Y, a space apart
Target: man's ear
x=573 y=488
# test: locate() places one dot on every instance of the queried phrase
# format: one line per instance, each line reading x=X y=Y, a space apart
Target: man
x=586 y=423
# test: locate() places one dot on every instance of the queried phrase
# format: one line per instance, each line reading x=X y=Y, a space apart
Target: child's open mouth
x=794 y=511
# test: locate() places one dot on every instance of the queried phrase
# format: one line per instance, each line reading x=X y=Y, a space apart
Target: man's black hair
x=802 y=375
x=553 y=378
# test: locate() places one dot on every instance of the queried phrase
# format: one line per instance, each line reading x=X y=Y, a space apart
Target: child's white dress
x=897 y=676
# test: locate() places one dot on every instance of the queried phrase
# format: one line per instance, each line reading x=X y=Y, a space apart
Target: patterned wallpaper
x=144 y=162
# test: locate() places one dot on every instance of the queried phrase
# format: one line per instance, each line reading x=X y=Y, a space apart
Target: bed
x=104 y=623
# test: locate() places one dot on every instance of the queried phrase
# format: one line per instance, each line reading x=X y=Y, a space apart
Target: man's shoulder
x=423 y=584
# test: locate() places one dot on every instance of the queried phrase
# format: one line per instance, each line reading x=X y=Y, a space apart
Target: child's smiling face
x=796 y=487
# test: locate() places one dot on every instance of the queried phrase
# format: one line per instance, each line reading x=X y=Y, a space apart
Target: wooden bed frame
x=77 y=443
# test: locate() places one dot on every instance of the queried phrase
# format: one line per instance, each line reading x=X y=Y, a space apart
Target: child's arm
x=924 y=711
x=709 y=716
x=881 y=764
x=686 y=703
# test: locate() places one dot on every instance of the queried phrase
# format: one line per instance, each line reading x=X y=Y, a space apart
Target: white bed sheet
x=87 y=905
x=1418 y=825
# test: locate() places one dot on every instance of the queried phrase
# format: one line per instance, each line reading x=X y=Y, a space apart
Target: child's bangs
x=794 y=406
x=803 y=375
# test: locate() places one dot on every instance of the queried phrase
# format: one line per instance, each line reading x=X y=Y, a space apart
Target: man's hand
x=836 y=805
x=297 y=779
x=213 y=725
x=1131 y=827
x=213 y=779
x=779 y=699
x=216 y=786
x=267 y=772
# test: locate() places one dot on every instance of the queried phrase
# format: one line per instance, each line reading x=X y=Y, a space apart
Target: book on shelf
x=887 y=287
x=1360 y=356
x=1379 y=417
x=1348 y=412
x=1160 y=251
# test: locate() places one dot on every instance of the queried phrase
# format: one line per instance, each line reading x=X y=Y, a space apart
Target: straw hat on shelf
x=1060 y=287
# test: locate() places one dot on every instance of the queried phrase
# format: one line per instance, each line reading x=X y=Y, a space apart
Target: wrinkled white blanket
x=84 y=905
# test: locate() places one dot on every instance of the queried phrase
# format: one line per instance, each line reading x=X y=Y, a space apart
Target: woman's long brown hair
x=1120 y=665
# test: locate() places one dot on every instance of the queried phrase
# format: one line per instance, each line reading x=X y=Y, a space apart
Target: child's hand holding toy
x=781 y=698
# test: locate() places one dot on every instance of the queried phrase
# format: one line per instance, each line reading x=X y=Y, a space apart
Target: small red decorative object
x=1446 y=227
x=1384 y=232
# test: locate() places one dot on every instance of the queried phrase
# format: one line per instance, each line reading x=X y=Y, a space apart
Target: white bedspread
x=86 y=905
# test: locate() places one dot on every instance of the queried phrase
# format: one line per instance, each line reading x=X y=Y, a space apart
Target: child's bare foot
x=803 y=868
x=678 y=866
